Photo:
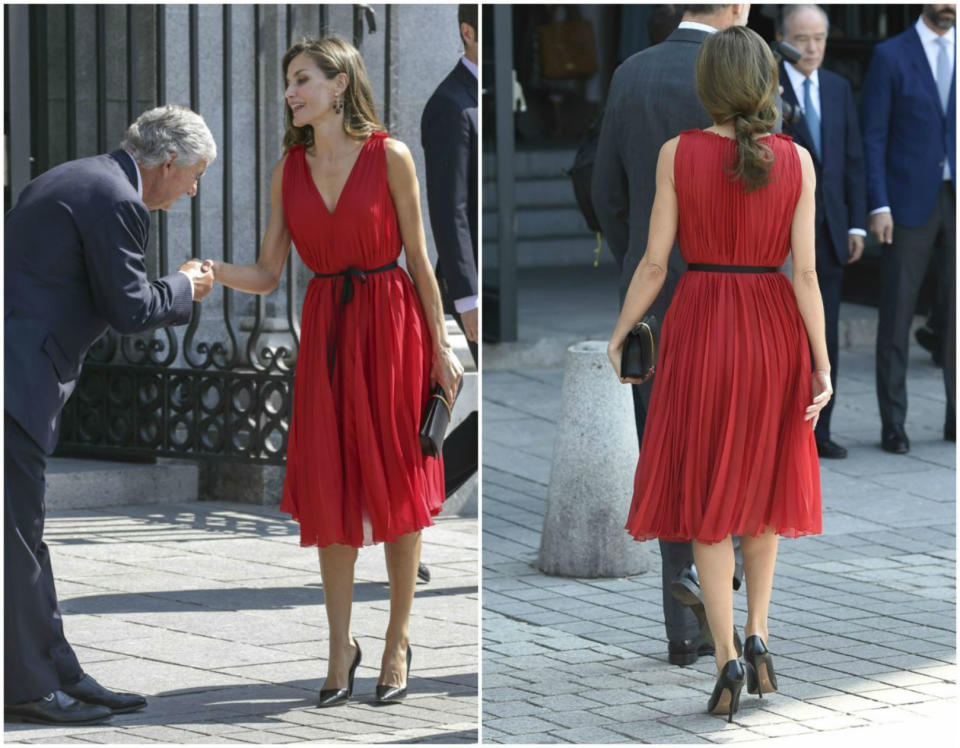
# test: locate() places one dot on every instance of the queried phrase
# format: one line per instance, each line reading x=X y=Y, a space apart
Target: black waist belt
x=346 y=295
x=731 y=268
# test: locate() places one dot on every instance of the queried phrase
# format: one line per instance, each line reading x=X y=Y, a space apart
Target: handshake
x=201 y=273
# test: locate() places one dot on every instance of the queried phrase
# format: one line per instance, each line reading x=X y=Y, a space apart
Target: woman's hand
x=822 y=392
x=615 y=353
x=448 y=372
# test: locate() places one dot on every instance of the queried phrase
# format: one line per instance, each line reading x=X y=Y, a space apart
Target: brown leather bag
x=568 y=49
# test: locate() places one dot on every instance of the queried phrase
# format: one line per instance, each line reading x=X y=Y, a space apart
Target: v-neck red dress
x=355 y=471
x=726 y=450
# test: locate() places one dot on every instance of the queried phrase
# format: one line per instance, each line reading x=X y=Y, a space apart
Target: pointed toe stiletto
x=759 y=663
x=393 y=694
x=337 y=696
x=725 y=698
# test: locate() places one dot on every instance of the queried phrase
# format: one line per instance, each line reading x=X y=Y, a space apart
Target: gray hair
x=167 y=130
x=790 y=10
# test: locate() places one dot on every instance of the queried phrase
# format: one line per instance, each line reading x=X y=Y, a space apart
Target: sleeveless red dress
x=355 y=471
x=725 y=449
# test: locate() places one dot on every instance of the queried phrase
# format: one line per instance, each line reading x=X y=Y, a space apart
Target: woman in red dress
x=729 y=446
x=371 y=344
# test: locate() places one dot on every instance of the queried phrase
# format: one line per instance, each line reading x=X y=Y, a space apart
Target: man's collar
x=697 y=26
x=927 y=36
x=470 y=66
x=139 y=175
x=797 y=78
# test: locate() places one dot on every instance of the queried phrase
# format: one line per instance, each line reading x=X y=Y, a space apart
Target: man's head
x=805 y=27
x=467 y=18
x=173 y=146
x=940 y=18
x=719 y=16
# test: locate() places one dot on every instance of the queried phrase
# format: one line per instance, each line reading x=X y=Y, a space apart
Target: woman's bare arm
x=264 y=275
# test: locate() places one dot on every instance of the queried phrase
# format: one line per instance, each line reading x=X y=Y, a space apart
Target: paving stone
x=587 y=735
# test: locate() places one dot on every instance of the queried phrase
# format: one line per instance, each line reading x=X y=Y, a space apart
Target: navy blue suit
x=907 y=138
x=448 y=133
x=840 y=198
x=74 y=266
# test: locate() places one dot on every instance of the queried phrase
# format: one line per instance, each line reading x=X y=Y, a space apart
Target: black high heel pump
x=726 y=693
x=392 y=694
x=760 y=675
x=337 y=696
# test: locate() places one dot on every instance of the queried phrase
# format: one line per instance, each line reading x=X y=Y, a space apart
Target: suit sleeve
x=875 y=125
x=855 y=188
x=114 y=243
x=445 y=134
x=609 y=187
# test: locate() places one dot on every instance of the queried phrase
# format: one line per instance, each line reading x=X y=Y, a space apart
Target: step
x=86 y=484
x=550 y=163
x=533 y=193
x=558 y=222
x=556 y=252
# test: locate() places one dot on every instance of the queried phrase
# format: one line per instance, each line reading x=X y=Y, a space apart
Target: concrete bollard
x=591 y=477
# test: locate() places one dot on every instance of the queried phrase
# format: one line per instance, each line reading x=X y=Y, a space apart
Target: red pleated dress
x=725 y=449
x=355 y=472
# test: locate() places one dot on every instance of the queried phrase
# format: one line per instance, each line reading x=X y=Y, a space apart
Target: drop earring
x=337 y=105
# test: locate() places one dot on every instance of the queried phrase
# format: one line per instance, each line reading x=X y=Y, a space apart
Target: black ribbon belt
x=731 y=268
x=346 y=295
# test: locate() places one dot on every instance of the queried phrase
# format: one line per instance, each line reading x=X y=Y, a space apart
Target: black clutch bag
x=435 y=422
x=639 y=349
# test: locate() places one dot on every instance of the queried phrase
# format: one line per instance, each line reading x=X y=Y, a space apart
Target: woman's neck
x=726 y=129
x=329 y=137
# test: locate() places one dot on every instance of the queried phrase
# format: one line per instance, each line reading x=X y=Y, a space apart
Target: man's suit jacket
x=74 y=266
x=448 y=131
x=652 y=97
x=841 y=190
x=906 y=135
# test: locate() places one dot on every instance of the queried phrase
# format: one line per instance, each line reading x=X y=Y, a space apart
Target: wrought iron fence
x=222 y=387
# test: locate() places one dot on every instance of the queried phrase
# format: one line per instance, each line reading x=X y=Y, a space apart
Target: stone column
x=594 y=459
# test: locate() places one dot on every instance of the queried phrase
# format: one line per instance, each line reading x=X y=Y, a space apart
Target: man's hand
x=469 y=320
x=854 y=247
x=881 y=226
x=202 y=277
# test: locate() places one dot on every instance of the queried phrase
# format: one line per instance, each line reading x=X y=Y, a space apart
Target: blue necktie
x=944 y=73
x=812 y=118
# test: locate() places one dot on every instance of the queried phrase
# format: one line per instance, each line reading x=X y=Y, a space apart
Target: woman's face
x=309 y=93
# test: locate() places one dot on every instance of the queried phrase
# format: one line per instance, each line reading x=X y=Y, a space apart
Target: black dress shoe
x=894 y=439
x=423 y=574
x=337 y=696
x=685 y=588
x=88 y=690
x=393 y=694
x=688 y=651
x=57 y=708
x=830 y=450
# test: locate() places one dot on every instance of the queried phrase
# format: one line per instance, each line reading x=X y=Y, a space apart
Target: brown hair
x=332 y=56
x=737 y=80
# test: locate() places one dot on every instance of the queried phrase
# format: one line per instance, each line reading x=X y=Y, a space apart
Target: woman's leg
x=403 y=557
x=715 y=565
x=336 y=571
x=759 y=560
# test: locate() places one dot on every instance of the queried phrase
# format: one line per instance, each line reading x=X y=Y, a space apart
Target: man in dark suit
x=652 y=97
x=909 y=121
x=449 y=136
x=829 y=129
x=74 y=266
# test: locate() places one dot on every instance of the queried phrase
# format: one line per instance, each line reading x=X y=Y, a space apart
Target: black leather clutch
x=435 y=422
x=639 y=349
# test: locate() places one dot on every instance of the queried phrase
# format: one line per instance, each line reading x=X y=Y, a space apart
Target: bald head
x=719 y=16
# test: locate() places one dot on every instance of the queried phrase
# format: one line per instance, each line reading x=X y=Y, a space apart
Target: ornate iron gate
x=221 y=388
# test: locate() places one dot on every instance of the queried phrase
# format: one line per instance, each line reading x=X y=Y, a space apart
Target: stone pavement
x=862 y=620
x=216 y=614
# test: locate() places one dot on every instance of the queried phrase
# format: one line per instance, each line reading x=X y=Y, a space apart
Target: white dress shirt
x=136 y=166
x=695 y=26
x=928 y=40
x=796 y=80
